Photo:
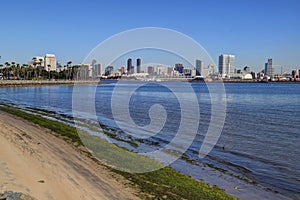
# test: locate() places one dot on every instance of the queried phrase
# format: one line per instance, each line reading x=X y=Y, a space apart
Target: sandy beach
x=36 y=162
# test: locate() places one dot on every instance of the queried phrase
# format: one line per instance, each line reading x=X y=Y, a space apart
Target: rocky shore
x=10 y=195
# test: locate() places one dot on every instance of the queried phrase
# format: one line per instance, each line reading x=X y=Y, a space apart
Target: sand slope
x=35 y=162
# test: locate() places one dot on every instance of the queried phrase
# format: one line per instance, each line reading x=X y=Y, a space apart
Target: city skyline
x=247 y=31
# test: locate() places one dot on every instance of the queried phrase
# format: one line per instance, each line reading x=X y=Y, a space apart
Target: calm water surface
x=260 y=139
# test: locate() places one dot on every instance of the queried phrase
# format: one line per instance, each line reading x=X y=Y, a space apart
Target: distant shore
x=24 y=83
x=18 y=83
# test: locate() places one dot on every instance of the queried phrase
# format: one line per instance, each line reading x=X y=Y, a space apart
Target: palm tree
x=6 y=68
x=49 y=66
x=69 y=65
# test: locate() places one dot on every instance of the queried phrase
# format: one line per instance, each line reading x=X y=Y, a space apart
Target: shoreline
x=208 y=174
x=36 y=162
x=148 y=188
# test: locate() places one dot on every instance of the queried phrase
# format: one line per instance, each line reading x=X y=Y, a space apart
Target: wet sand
x=36 y=162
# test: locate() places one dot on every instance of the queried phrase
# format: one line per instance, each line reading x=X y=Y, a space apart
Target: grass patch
x=57 y=127
x=165 y=183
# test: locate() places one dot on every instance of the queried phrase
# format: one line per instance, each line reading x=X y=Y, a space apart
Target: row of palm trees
x=16 y=71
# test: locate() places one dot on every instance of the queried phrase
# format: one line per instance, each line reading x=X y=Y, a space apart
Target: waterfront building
x=159 y=69
x=50 y=62
x=199 y=67
x=98 y=70
x=169 y=71
x=138 y=65
x=209 y=71
x=109 y=71
x=226 y=65
x=150 y=70
x=122 y=70
x=179 y=67
x=187 y=72
x=247 y=76
x=84 y=72
x=269 y=70
x=193 y=72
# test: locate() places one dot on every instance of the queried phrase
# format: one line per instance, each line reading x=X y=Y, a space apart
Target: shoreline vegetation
x=165 y=183
x=20 y=83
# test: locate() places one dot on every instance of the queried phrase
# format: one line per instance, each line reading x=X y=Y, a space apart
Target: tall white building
x=50 y=62
x=226 y=65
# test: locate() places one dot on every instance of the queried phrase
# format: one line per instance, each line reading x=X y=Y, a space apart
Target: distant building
x=199 y=67
x=247 y=69
x=187 y=72
x=179 y=67
x=226 y=65
x=138 y=65
x=129 y=66
x=169 y=71
x=269 y=71
x=206 y=72
x=122 y=70
x=159 y=69
x=84 y=72
x=150 y=70
x=193 y=72
x=50 y=62
x=248 y=76
x=109 y=71
x=98 y=70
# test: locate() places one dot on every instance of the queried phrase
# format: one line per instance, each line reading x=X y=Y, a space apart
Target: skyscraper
x=199 y=67
x=269 y=71
x=138 y=65
x=226 y=65
x=98 y=70
x=129 y=66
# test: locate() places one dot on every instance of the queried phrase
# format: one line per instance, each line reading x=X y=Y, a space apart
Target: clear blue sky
x=252 y=30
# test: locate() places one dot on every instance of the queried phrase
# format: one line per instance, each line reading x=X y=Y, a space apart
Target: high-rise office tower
x=138 y=65
x=199 y=67
x=269 y=71
x=226 y=65
x=129 y=66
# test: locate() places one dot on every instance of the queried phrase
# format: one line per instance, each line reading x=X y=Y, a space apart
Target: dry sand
x=35 y=162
